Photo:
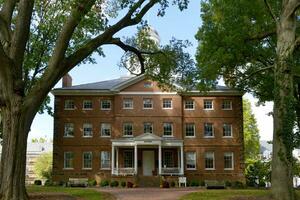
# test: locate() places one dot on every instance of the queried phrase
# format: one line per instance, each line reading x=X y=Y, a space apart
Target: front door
x=148 y=163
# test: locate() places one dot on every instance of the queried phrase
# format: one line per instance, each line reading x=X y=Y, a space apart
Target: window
x=209 y=160
x=228 y=161
x=168 y=129
x=227 y=130
x=69 y=130
x=148 y=104
x=168 y=159
x=68 y=160
x=105 y=104
x=127 y=129
x=128 y=159
x=190 y=130
x=148 y=84
x=208 y=104
x=87 y=160
x=148 y=127
x=87 y=105
x=87 y=130
x=208 y=130
x=227 y=104
x=189 y=104
x=167 y=103
x=105 y=159
x=127 y=104
x=190 y=158
x=69 y=105
x=105 y=130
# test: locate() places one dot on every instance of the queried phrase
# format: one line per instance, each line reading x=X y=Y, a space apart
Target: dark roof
x=102 y=85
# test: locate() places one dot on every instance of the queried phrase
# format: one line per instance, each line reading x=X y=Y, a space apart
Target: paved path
x=148 y=193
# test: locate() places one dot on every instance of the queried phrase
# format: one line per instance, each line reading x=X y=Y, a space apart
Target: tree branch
x=258 y=71
x=7 y=10
x=261 y=35
x=271 y=11
x=291 y=7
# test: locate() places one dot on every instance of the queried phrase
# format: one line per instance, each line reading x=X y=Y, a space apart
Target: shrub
x=238 y=185
x=61 y=183
x=37 y=182
x=188 y=183
x=165 y=184
x=172 y=184
x=123 y=184
x=104 y=183
x=262 y=184
x=228 y=184
x=129 y=184
x=194 y=183
x=202 y=183
x=114 y=184
x=48 y=182
x=92 y=183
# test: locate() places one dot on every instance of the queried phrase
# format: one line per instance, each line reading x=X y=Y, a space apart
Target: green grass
x=85 y=193
x=224 y=194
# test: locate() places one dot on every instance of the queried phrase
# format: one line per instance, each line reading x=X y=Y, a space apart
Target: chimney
x=67 y=80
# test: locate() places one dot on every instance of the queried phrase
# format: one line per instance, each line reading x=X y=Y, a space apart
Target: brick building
x=128 y=128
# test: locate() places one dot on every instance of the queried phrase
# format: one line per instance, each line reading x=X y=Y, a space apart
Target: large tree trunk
x=284 y=112
x=16 y=125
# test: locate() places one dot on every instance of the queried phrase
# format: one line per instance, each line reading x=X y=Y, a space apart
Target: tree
x=39 y=140
x=257 y=172
x=251 y=133
x=40 y=41
x=254 y=45
x=43 y=166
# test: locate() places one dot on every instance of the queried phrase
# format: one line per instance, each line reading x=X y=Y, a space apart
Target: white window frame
x=128 y=100
x=171 y=125
x=105 y=100
x=67 y=103
x=232 y=161
x=231 y=134
x=185 y=103
x=151 y=125
x=124 y=125
x=84 y=103
x=195 y=160
x=144 y=103
x=169 y=102
x=66 y=132
x=103 y=127
x=102 y=159
x=194 y=127
x=213 y=131
x=208 y=100
x=83 y=160
x=87 y=125
x=213 y=157
x=72 y=160
x=230 y=101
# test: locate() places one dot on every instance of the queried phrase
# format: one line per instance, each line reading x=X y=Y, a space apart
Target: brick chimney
x=67 y=80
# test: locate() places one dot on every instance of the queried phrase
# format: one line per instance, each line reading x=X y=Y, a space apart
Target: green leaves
x=43 y=166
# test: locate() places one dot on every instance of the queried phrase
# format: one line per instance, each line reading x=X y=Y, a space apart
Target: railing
x=124 y=171
x=170 y=171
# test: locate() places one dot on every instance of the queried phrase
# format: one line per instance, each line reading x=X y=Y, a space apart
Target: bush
x=37 y=182
x=123 y=184
x=48 y=182
x=202 y=183
x=262 y=184
x=114 y=184
x=104 y=183
x=61 y=183
x=228 y=184
x=194 y=183
x=238 y=185
x=129 y=184
x=92 y=183
x=173 y=184
x=165 y=184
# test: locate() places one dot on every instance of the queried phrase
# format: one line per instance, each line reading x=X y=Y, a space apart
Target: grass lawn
x=229 y=194
x=84 y=193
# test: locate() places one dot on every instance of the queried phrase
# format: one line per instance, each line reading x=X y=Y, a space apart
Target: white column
x=135 y=159
x=178 y=158
x=159 y=159
x=117 y=160
x=181 y=159
x=112 y=158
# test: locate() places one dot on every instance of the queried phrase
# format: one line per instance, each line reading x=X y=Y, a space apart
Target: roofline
x=79 y=92
x=212 y=92
x=128 y=83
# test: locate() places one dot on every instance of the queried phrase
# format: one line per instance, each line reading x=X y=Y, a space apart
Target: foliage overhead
x=43 y=166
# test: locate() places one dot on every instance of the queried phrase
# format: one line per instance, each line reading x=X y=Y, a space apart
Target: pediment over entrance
x=147 y=136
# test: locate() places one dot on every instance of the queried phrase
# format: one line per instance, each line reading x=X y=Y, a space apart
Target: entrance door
x=148 y=163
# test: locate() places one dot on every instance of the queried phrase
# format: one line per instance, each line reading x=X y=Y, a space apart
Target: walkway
x=148 y=193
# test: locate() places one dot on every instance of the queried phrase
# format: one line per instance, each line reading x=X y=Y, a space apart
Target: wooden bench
x=214 y=184
x=78 y=182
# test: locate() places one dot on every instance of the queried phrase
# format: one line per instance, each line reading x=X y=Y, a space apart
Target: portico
x=147 y=155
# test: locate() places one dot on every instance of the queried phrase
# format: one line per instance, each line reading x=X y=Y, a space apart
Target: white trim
x=212 y=104
x=101 y=101
x=149 y=93
x=232 y=161
x=87 y=168
x=184 y=103
x=230 y=104
x=214 y=162
x=190 y=169
x=86 y=101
